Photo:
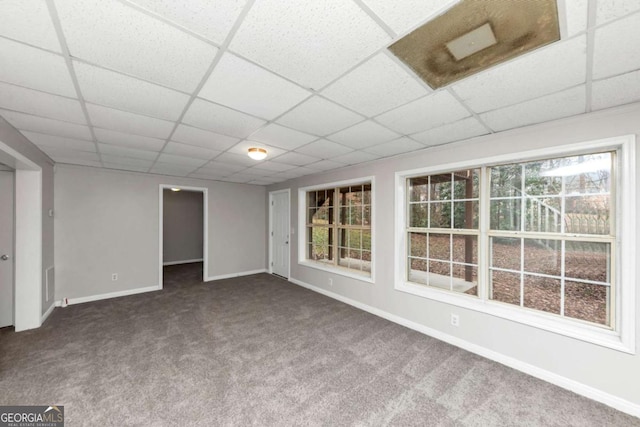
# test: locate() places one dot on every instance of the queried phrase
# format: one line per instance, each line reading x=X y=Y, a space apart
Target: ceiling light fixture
x=257 y=153
x=175 y=189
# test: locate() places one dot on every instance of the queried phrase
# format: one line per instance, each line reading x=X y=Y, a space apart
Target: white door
x=280 y=233
x=6 y=248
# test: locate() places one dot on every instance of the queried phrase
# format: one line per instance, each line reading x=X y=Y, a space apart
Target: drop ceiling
x=184 y=88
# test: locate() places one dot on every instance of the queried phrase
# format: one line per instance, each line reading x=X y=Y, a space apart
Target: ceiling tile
x=576 y=16
x=190 y=151
x=293 y=173
x=207 y=176
x=407 y=14
x=238 y=178
x=220 y=167
x=127 y=93
x=546 y=108
x=296 y=159
x=249 y=172
x=30 y=23
x=319 y=117
x=171 y=169
x=282 y=137
x=40 y=103
x=376 y=86
x=398 y=146
x=269 y=167
x=616 y=48
x=263 y=181
x=203 y=138
x=463 y=129
x=299 y=39
x=123 y=167
x=119 y=37
x=611 y=9
x=236 y=159
x=355 y=157
x=181 y=161
x=125 y=139
x=76 y=161
x=242 y=148
x=211 y=20
x=525 y=77
x=283 y=176
x=246 y=87
x=65 y=155
x=42 y=125
x=615 y=91
x=429 y=112
x=217 y=118
x=128 y=122
x=116 y=150
x=65 y=143
x=35 y=69
x=365 y=134
x=325 y=165
x=324 y=149
x=126 y=161
x=260 y=171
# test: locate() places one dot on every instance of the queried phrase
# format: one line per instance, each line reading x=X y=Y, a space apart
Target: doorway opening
x=279 y=233
x=27 y=244
x=183 y=235
x=7 y=248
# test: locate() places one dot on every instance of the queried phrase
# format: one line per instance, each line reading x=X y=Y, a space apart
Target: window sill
x=562 y=326
x=342 y=271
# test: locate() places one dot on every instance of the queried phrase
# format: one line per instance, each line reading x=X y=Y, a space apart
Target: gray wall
x=601 y=368
x=108 y=222
x=14 y=139
x=182 y=225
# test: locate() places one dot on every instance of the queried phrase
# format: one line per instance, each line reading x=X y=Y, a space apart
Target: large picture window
x=338 y=228
x=542 y=236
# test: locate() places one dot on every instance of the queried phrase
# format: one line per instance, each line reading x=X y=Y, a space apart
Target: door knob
x=4 y=257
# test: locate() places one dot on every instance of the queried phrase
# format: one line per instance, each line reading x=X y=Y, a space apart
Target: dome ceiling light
x=257 y=153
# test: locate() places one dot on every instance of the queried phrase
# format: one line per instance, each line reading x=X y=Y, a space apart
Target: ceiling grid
x=317 y=98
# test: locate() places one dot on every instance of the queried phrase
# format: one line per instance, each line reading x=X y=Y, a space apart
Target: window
x=337 y=227
x=443 y=230
x=536 y=240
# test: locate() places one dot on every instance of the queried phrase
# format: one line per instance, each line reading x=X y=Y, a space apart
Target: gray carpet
x=258 y=350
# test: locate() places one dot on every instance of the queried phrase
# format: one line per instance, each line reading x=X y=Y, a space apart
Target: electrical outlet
x=331 y=282
x=114 y=277
x=455 y=319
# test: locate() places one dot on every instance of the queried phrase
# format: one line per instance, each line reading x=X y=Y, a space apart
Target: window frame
x=302 y=230
x=622 y=337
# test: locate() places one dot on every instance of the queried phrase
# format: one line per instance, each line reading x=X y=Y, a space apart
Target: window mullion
x=337 y=203
x=483 y=240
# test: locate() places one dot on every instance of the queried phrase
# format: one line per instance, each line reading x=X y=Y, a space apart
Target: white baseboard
x=186 y=261
x=551 y=377
x=229 y=276
x=47 y=313
x=80 y=300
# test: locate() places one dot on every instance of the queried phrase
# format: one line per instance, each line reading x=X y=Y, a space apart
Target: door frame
x=27 y=254
x=271 y=218
x=10 y=174
x=205 y=229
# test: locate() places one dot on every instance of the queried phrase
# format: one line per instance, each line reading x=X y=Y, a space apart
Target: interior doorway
x=279 y=232
x=27 y=235
x=7 y=248
x=183 y=234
